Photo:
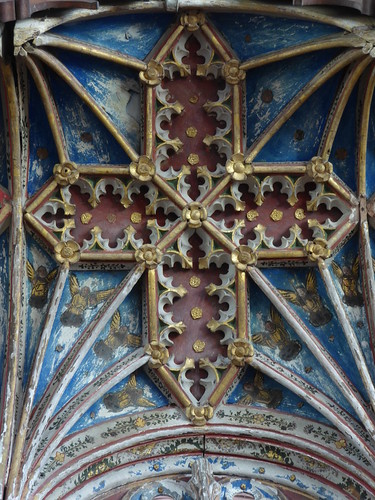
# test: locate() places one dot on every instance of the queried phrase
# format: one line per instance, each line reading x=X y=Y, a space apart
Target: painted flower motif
x=243 y=256
x=199 y=414
x=192 y=20
x=158 y=352
x=258 y=419
x=140 y=422
x=194 y=214
x=341 y=443
x=143 y=169
x=153 y=74
x=67 y=251
x=240 y=352
x=320 y=170
x=237 y=168
x=317 y=249
x=232 y=73
x=66 y=173
x=150 y=255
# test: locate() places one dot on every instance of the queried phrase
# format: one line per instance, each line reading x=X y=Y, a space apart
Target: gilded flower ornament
x=148 y=254
x=317 y=249
x=240 y=352
x=158 y=354
x=243 y=256
x=153 y=74
x=199 y=414
x=143 y=169
x=237 y=168
x=320 y=170
x=194 y=214
x=232 y=73
x=66 y=173
x=67 y=251
x=192 y=21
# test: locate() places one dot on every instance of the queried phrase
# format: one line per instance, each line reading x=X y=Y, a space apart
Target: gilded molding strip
x=79 y=89
x=339 y=103
x=46 y=407
x=171 y=39
x=152 y=308
x=350 y=335
x=241 y=318
x=214 y=193
x=149 y=129
x=215 y=41
x=281 y=254
x=322 y=43
x=340 y=233
x=171 y=236
x=128 y=256
x=316 y=399
x=225 y=242
x=237 y=128
x=228 y=377
x=50 y=109
x=277 y=168
x=114 y=56
x=172 y=194
x=171 y=384
x=320 y=353
x=39 y=198
x=6 y=210
x=14 y=477
x=103 y=169
x=31 y=220
x=60 y=424
x=363 y=131
x=13 y=339
x=368 y=279
x=314 y=84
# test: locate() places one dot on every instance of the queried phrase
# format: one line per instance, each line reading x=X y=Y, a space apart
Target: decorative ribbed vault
x=191 y=271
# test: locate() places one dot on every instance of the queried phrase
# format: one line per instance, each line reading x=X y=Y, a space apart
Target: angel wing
x=145 y=402
x=263 y=339
x=52 y=275
x=73 y=284
x=281 y=335
x=276 y=317
x=133 y=340
x=337 y=269
x=96 y=297
x=355 y=267
x=291 y=296
x=30 y=271
x=116 y=322
x=311 y=285
x=258 y=380
x=132 y=382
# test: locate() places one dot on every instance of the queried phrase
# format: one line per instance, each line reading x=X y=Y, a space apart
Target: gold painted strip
x=340 y=189
x=149 y=135
x=36 y=225
x=127 y=256
x=281 y=254
x=173 y=386
x=339 y=233
x=237 y=128
x=79 y=89
x=278 y=169
x=171 y=236
x=322 y=43
x=5 y=211
x=314 y=84
x=169 y=43
x=214 y=193
x=103 y=170
x=339 y=103
x=225 y=382
x=206 y=28
x=218 y=236
x=241 y=305
x=363 y=133
x=152 y=290
x=43 y=195
x=91 y=50
x=50 y=109
x=169 y=191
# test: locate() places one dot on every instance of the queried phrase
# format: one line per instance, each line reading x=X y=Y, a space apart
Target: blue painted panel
x=3 y=152
x=4 y=298
x=63 y=337
x=290 y=402
x=94 y=364
x=370 y=167
x=299 y=138
x=329 y=335
x=134 y=34
x=88 y=141
x=42 y=149
x=36 y=310
x=100 y=412
x=284 y=79
x=246 y=34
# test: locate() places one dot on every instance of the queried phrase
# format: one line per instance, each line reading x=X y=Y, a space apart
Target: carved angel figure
x=256 y=393
x=348 y=279
x=276 y=336
x=130 y=395
x=307 y=297
x=82 y=299
x=118 y=336
x=41 y=281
